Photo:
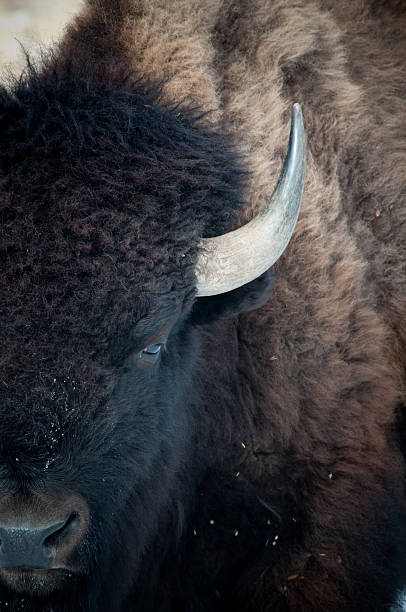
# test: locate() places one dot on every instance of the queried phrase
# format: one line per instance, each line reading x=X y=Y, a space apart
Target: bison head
x=110 y=201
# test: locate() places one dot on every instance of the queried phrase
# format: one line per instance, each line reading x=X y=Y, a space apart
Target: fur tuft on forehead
x=104 y=194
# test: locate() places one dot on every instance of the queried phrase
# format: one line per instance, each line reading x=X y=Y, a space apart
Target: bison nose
x=36 y=546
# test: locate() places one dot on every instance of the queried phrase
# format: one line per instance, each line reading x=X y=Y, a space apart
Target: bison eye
x=152 y=349
x=151 y=352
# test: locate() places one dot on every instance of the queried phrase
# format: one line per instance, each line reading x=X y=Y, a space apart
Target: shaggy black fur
x=99 y=187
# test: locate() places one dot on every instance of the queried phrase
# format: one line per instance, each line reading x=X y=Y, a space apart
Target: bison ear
x=251 y=296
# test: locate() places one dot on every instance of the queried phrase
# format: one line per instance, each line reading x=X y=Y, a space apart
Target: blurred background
x=31 y=22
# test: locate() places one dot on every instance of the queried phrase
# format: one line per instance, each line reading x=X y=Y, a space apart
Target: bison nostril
x=63 y=530
x=38 y=546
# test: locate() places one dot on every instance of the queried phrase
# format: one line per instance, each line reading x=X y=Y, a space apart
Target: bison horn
x=228 y=261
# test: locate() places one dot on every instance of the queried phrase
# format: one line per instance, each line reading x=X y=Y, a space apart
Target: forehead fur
x=104 y=194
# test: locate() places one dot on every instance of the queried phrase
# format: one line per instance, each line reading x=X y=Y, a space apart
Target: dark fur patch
x=249 y=297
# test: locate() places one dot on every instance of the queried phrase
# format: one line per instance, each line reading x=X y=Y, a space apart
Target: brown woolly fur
x=258 y=464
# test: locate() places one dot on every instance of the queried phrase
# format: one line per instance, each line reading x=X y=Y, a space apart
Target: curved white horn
x=228 y=261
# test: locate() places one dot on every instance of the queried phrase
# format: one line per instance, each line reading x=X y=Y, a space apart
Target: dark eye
x=152 y=349
x=151 y=352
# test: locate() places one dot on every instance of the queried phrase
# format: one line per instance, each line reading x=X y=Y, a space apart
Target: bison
x=190 y=419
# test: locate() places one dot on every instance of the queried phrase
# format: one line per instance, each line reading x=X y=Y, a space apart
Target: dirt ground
x=31 y=22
